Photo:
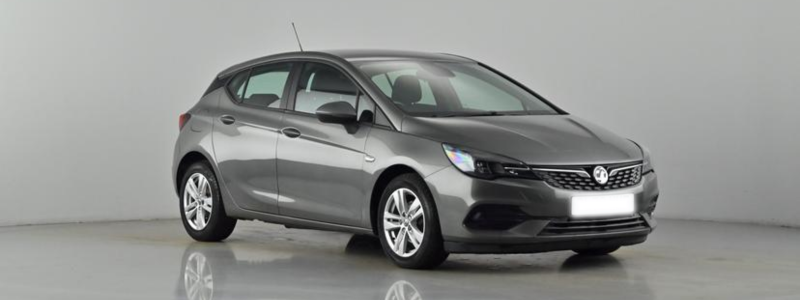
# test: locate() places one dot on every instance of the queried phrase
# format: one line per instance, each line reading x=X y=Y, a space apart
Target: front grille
x=576 y=227
x=579 y=179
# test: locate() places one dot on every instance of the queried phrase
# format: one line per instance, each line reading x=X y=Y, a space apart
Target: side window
x=266 y=85
x=321 y=84
x=237 y=85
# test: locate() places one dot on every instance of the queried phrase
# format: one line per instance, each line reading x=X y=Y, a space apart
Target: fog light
x=495 y=217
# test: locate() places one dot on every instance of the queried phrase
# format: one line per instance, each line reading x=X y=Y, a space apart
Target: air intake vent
x=576 y=227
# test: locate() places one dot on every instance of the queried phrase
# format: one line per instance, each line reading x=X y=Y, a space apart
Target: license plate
x=602 y=206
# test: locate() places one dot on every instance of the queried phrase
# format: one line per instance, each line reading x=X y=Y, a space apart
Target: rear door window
x=267 y=85
x=263 y=86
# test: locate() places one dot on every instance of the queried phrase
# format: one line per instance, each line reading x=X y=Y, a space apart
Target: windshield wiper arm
x=478 y=114
x=486 y=113
x=442 y=115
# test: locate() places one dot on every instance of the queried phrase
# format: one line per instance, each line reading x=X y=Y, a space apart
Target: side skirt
x=291 y=222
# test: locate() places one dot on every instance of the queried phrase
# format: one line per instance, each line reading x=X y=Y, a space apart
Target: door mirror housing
x=339 y=112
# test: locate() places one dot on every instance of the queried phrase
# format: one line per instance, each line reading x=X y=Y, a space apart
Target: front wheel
x=408 y=224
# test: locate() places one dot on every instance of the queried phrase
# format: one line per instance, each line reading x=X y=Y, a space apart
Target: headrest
x=332 y=82
x=261 y=99
x=406 y=90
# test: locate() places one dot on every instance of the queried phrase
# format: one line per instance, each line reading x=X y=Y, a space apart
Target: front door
x=320 y=164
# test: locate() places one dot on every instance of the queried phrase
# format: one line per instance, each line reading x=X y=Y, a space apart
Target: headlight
x=485 y=165
x=647 y=165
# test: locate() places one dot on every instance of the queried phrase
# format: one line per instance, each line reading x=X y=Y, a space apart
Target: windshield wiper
x=458 y=115
x=486 y=113
x=478 y=114
x=441 y=115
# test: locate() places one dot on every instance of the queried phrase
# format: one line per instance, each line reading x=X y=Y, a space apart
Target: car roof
x=365 y=54
x=350 y=55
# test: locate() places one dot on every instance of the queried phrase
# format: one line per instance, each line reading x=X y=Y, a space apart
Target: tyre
x=596 y=251
x=408 y=224
x=202 y=211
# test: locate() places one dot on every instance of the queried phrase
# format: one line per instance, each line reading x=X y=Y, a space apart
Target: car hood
x=533 y=139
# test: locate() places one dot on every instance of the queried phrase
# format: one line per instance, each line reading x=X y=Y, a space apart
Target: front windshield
x=448 y=89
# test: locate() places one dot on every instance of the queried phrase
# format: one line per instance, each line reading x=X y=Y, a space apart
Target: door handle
x=290 y=132
x=227 y=119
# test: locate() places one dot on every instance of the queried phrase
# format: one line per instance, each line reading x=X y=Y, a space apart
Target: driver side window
x=321 y=84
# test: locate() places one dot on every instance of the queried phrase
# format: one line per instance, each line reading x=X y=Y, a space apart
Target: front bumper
x=547 y=226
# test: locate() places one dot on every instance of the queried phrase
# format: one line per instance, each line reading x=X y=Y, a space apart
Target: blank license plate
x=602 y=206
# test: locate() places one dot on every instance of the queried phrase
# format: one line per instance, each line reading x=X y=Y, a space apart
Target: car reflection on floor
x=213 y=271
x=216 y=271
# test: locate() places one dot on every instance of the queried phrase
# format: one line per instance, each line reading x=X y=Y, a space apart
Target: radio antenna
x=297 y=37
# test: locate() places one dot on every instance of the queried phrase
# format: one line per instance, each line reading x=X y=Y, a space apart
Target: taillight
x=183 y=119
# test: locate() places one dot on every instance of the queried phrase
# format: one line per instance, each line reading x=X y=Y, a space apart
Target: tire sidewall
x=431 y=242
x=217 y=211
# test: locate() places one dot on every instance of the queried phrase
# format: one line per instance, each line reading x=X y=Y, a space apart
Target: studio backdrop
x=90 y=91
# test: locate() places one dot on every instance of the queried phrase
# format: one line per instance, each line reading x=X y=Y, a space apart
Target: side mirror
x=339 y=112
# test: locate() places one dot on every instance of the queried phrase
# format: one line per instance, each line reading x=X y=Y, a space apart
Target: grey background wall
x=90 y=91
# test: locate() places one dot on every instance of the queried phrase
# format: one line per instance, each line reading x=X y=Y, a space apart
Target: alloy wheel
x=404 y=222
x=197 y=201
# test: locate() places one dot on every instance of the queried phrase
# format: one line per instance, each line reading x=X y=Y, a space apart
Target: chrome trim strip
x=614 y=171
x=579 y=172
x=517 y=168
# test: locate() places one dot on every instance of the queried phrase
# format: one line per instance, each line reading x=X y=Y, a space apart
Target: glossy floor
x=156 y=260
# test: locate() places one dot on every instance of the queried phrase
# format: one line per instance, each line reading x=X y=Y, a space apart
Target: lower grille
x=576 y=227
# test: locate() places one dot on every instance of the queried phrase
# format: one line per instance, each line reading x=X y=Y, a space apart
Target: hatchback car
x=432 y=153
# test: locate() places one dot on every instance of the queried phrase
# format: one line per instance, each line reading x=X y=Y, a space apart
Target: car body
x=286 y=153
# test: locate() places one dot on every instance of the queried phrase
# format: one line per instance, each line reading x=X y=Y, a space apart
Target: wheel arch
x=187 y=160
x=380 y=184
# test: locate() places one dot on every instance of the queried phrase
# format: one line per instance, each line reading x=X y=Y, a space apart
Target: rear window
x=263 y=86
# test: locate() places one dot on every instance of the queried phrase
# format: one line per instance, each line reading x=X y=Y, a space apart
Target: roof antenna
x=297 y=37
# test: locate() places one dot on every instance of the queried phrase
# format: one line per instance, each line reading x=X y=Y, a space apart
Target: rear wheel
x=408 y=224
x=596 y=251
x=202 y=211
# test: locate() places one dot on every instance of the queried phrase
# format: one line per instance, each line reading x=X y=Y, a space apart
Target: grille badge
x=600 y=175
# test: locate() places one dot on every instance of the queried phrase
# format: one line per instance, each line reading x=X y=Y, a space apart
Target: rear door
x=245 y=135
x=320 y=164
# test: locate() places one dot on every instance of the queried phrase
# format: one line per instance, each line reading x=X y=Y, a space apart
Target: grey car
x=432 y=153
